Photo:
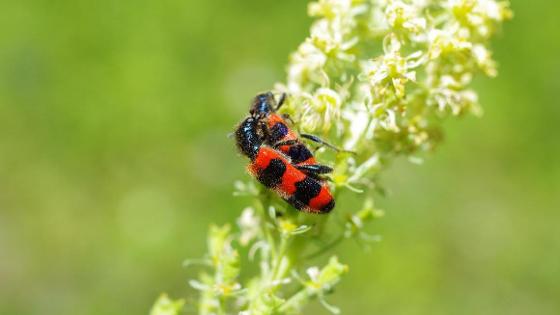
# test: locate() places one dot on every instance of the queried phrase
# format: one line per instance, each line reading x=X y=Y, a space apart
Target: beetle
x=275 y=170
x=278 y=135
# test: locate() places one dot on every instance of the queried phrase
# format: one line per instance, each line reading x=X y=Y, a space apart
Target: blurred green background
x=114 y=160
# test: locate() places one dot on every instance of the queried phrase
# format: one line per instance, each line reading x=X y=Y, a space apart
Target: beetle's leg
x=320 y=178
x=317 y=169
x=281 y=101
x=323 y=142
x=283 y=143
x=263 y=129
x=288 y=118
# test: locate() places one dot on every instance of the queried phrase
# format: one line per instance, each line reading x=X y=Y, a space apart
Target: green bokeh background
x=114 y=160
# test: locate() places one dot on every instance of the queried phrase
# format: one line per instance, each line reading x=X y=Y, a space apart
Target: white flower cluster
x=375 y=77
x=381 y=74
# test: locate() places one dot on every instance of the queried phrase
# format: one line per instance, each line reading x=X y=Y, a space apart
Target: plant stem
x=293 y=301
x=325 y=248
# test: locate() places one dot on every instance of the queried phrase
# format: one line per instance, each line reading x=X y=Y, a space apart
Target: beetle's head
x=262 y=105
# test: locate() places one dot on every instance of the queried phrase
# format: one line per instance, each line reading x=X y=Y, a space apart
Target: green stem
x=263 y=204
x=222 y=302
x=294 y=301
x=278 y=260
x=326 y=248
